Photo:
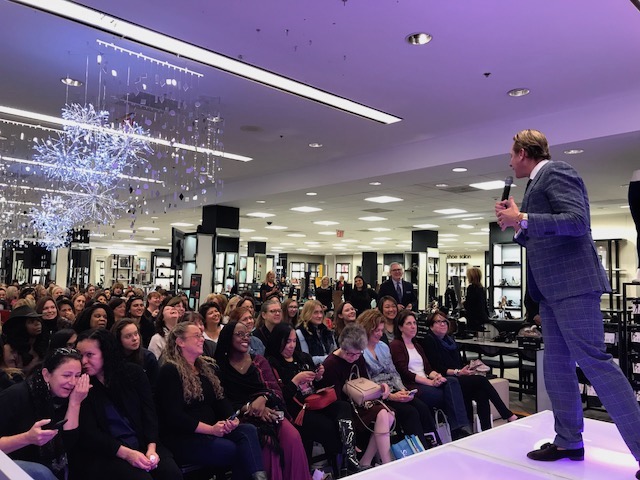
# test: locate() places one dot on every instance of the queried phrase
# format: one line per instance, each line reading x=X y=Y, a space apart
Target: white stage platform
x=501 y=453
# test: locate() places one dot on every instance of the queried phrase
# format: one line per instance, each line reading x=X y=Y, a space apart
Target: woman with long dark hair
x=388 y=306
x=47 y=307
x=195 y=417
x=118 y=422
x=360 y=295
x=39 y=424
x=249 y=382
x=298 y=377
x=129 y=342
x=25 y=344
x=167 y=319
x=345 y=313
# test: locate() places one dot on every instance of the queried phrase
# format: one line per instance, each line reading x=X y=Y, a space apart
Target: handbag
x=359 y=389
x=442 y=426
x=316 y=401
x=406 y=447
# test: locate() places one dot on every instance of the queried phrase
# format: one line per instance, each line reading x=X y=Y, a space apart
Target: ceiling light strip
x=150 y=38
x=40 y=117
x=46 y=165
x=150 y=59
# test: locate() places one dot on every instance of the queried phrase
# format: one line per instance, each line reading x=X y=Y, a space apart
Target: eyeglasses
x=273 y=312
x=441 y=322
x=352 y=354
x=199 y=336
x=396 y=270
x=242 y=334
x=64 y=351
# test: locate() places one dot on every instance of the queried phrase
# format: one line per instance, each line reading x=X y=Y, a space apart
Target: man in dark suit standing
x=565 y=276
x=397 y=288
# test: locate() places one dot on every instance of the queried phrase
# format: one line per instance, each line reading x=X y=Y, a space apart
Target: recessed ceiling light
x=260 y=215
x=350 y=240
x=312 y=194
x=154 y=218
x=468 y=219
x=466 y=227
x=312 y=243
x=447 y=239
x=287 y=244
x=302 y=249
x=479 y=233
x=128 y=240
x=459 y=169
x=425 y=225
x=306 y=209
x=259 y=238
x=442 y=185
x=326 y=223
x=246 y=230
x=327 y=232
x=315 y=145
x=383 y=199
x=518 y=92
x=277 y=249
x=377 y=229
x=181 y=224
x=125 y=231
x=152 y=239
x=383 y=239
x=450 y=211
x=473 y=243
x=625 y=206
x=148 y=229
x=372 y=218
x=574 y=151
x=340 y=247
x=485 y=229
x=364 y=247
x=260 y=201
x=71 y=82
x=378 y=243
x=276 y=227
x=375 y=184
x=448 y=235
x=419 y=38
x=296 y=235
x=97 y=234
x=492 y=185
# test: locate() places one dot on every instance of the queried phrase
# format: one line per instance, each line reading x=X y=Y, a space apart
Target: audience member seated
x=39 y=421
x=373 y=422
x=413 y=415
x=443 y=355
x=47 y=307
x=212 y=316
x=313 y=335
x=195 y=417
x=24 y=342
x=270 y=316
x=345 y=313
x=433 y=388
x=65 y=338
x=96 y=315
x=66 y=312
x=130 y=345
x=244 y=315
x=290 y=312
x=118 y=422
x=298 y=377
x=209 y=347
x=119 y=307
x=249 y=381
x=388 y=306
x=166 y=321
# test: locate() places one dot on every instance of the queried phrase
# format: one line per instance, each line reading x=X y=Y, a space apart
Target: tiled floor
x=500 y=453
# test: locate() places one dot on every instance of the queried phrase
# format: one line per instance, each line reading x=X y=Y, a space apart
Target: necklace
x=242 y=365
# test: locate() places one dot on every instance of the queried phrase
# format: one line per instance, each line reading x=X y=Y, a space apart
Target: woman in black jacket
x=475 y=303
x=313 y=335
x=118 y=423
x=360 y=296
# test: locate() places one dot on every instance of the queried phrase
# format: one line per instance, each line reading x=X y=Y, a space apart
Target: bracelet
x=456 y=372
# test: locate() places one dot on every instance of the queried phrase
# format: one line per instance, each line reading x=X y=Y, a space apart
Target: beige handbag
x=360 y=389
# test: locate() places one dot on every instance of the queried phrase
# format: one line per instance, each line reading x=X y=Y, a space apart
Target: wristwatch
x=456 y=372
x=523 y=220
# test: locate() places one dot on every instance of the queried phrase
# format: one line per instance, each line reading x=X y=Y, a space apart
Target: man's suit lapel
x=525 y=200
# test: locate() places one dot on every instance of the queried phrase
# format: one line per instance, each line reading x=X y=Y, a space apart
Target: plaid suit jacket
x=562 y=260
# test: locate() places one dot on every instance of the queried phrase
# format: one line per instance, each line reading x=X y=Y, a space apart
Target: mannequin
x=634 y=205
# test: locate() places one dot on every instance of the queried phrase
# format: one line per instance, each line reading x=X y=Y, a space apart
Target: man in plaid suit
x=565 y=275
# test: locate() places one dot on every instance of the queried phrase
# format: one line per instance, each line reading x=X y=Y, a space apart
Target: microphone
x=507 y=188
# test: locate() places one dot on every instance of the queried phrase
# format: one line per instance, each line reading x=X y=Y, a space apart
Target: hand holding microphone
x=506 y=209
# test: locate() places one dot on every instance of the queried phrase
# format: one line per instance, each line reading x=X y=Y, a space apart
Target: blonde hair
x=533 y=142
x=474 y=276
x=307 y=312
x=231 y=305
x=370 y=319
x=191 y=384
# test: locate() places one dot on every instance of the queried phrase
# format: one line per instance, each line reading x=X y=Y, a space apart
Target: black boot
x=348 y=437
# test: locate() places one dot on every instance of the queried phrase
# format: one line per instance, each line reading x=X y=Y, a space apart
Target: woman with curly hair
x=96 y=315
x=195 y=418
x=118 y=422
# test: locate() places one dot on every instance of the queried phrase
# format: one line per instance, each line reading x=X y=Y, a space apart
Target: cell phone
x=413 y=392
x=279 y=415
x=55 y=426
x=235 y=415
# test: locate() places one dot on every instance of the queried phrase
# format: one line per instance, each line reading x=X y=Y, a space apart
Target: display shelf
x=609 y=255
x=343 y=269
x=506 y=292
x=122 y=269
x=163 y=275
x=224 y=276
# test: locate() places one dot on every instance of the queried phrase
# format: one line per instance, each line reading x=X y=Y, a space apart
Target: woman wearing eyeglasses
x=195 y=417
x=443 y=355
x=270 y=316
x=373 y=422
x=39 y=420
x=250 y=385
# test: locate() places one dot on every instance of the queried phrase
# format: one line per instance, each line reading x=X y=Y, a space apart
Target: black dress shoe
x=550 y=453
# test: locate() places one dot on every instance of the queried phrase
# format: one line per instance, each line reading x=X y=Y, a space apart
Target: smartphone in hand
x=55 y=425
x=413 y=392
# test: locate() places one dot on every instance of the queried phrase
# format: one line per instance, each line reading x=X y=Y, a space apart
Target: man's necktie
x=399 y=291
